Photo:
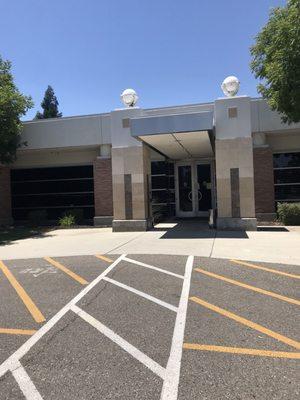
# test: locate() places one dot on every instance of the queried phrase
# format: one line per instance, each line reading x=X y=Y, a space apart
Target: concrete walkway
x=191 y=237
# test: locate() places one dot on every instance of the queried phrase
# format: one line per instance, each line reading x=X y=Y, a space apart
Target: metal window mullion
x=286 y=184
x=48 y=207
x=50 y=194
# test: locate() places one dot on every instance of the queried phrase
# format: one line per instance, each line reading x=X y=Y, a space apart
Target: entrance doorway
x=193 y=185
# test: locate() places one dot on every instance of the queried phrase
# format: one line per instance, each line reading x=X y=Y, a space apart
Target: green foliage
x=276 y=61
x=67 y=221
x=37 y=217
x=13 y=105
x=77 y=214
x=289 y=213
x=49 y=106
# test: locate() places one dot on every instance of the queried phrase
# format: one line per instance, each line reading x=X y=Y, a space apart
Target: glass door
x=204 y=186
x=185 y=198
x=193 y=189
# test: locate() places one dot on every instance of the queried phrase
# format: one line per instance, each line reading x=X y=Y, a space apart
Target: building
x=126 y=167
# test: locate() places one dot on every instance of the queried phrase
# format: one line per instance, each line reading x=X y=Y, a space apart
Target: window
x=55 y=190
x=163 y=189
x=287 y=176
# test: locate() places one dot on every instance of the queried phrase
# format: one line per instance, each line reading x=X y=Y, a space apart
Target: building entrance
x=193 y=187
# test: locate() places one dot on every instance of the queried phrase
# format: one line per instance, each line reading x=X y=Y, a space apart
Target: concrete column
x=5 y=197
x=234 y=164
x=131 y=169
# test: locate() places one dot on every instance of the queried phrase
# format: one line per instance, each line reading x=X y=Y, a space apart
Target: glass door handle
x=190 y=196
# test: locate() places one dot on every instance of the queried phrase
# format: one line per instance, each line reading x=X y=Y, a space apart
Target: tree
x=276 y=61
x=49 y=105
x=13 y=105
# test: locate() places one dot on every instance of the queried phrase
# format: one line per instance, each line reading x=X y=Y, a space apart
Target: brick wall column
x=103 y=191
x=5 y=196
x=264 y=182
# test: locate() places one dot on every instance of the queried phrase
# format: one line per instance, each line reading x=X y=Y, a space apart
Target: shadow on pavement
x=11 y=234
x=194 y=229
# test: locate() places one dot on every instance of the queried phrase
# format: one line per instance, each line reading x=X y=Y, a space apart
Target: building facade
x=233 y=158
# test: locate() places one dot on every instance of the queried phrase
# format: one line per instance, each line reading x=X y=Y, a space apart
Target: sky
x=171 y=52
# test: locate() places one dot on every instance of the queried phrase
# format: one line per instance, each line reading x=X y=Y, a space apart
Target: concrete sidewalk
x=183 y=238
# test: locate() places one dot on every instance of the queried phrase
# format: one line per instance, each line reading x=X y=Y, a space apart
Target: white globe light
x=230 y=86
x=129 y=97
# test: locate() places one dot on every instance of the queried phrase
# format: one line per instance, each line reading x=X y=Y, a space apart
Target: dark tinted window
x=287 y=175
x=284 y=160
x=287 y=192
x=162 y=183
x=52 y=173
x=55 y=190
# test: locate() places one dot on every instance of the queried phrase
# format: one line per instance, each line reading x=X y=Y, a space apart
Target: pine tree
x=49 y=105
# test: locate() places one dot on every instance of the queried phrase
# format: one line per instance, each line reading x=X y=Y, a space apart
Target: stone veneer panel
x=103 y=187
x=235 y=153
x=133 y=161
x=264 y=180
x=5 y=196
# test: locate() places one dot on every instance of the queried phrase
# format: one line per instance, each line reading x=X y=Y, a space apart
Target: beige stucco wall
x=52 y=158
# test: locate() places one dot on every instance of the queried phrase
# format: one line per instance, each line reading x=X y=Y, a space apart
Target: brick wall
x=5 y=196
x=263 y=180
x=103 y=187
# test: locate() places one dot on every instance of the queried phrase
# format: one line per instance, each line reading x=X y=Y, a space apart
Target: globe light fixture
x=230 y=86
x=129 y=97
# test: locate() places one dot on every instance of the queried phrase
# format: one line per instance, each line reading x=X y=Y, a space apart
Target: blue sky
x=171 y=52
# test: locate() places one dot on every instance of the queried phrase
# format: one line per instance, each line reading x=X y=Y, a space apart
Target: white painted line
x=12 y=362
x=170 y=386
x=142 y=294
x=129 y=348
x=25 y=383
x=152 y=267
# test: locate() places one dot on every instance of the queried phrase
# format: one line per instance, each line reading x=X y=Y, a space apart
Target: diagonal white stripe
x=11 y=362
x=142 y=294
x=170 y=386
x=130 y=260
x=25 y=383
x=129 y=348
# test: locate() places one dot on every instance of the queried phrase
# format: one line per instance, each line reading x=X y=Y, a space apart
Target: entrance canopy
x=178 y=136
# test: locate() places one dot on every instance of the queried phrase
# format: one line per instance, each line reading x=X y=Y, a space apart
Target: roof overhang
x=177 y=136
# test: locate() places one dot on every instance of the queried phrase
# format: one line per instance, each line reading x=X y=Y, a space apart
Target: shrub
x=37 y=217
x=67 y=221
x=289 y=213
x=77 y=214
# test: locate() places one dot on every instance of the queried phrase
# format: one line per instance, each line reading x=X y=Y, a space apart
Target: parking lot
x=148 y=327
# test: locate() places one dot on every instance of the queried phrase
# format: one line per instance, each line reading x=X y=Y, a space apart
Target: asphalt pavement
x=148 y=327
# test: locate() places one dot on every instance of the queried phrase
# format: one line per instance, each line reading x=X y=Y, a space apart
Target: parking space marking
x=25 y=383
x=248 y=323
x=66 y=270
x=170 y=386
x=239 y=350
x=9 y=331
x=104 y=258
x=12 y=362
x=32 y=308
x=274 y=271
x=249 y=287
x=142 y=294
x=129 y=348
x=152 y=267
